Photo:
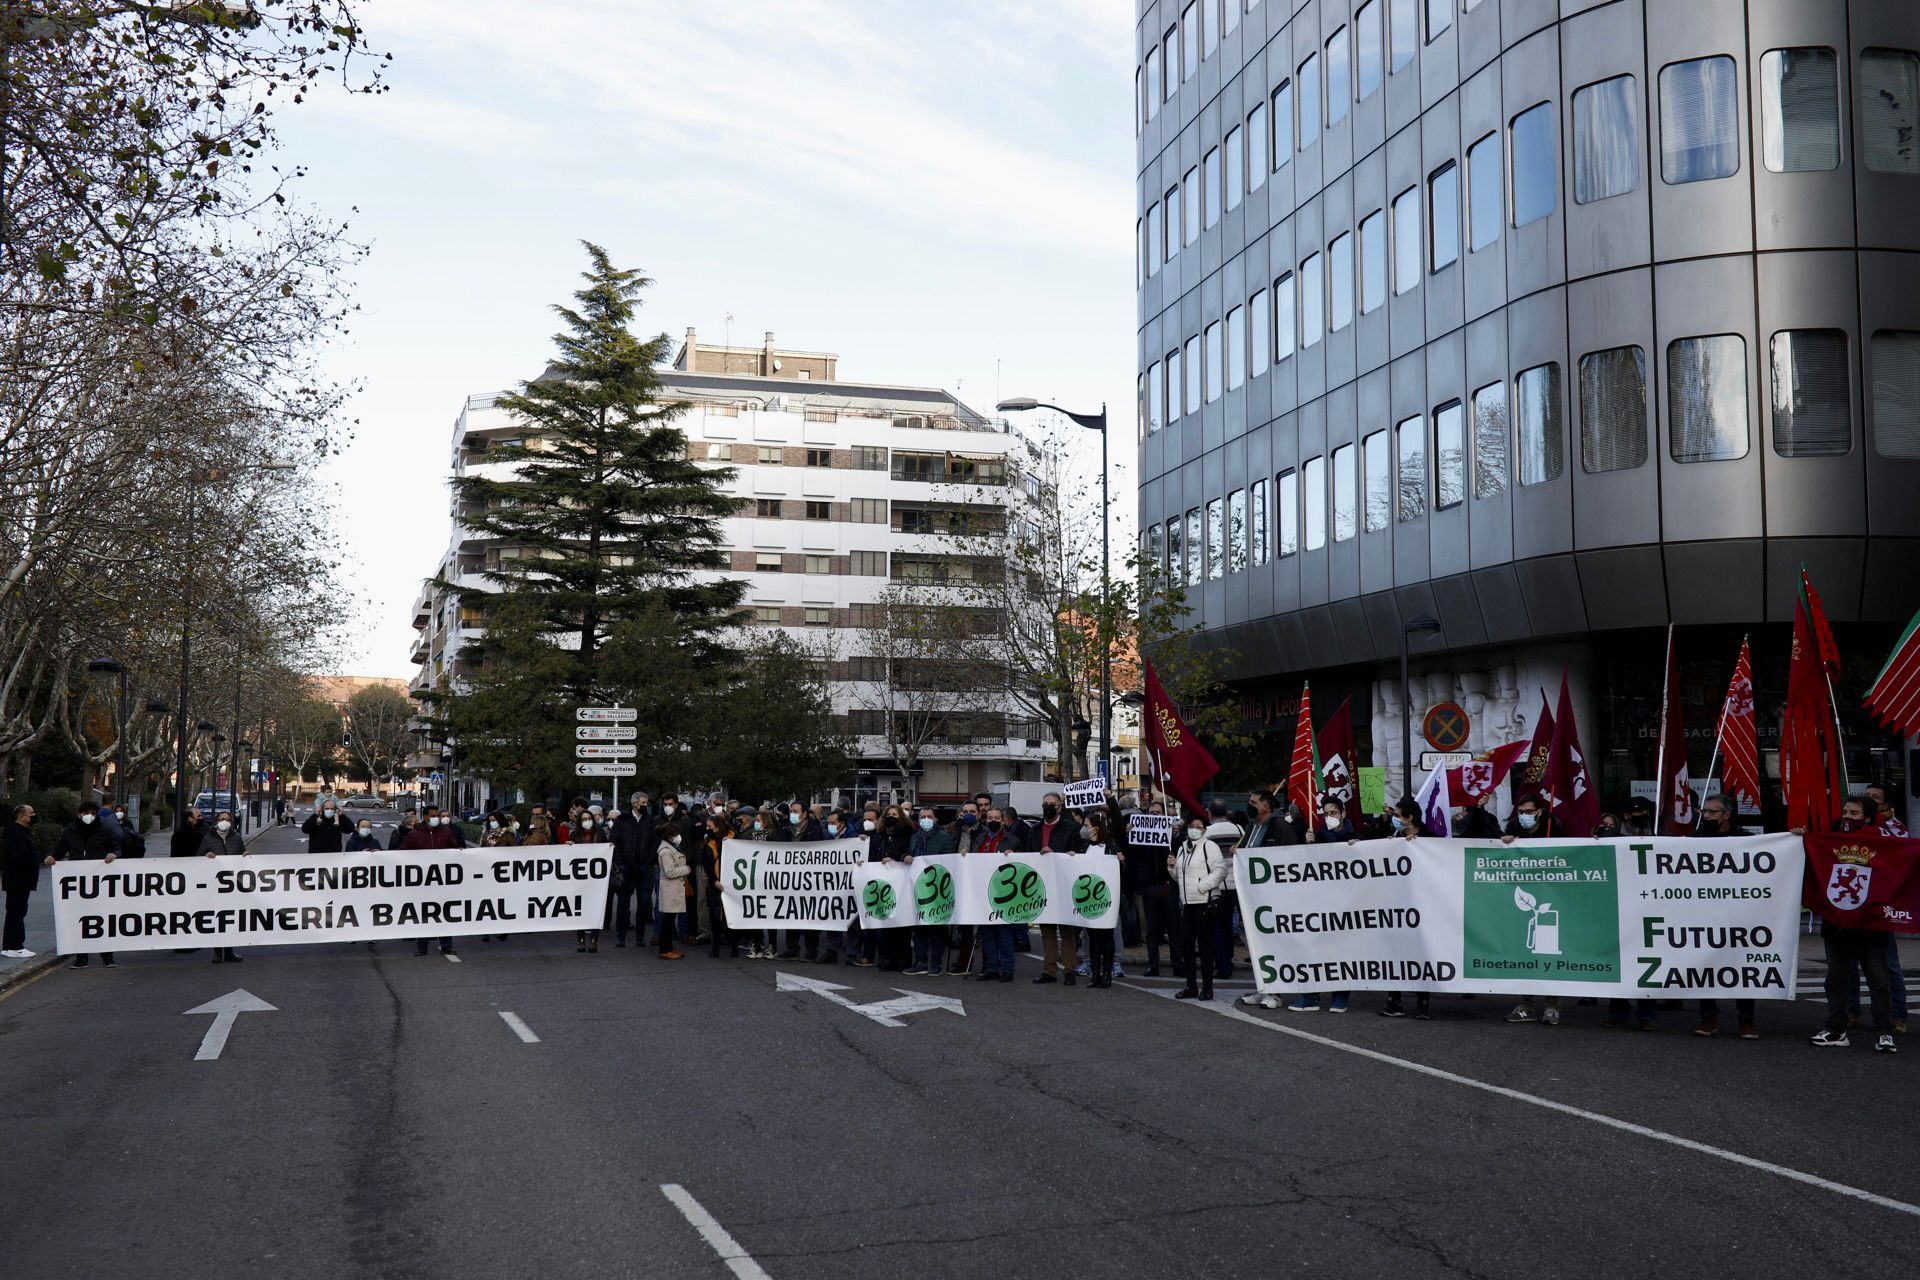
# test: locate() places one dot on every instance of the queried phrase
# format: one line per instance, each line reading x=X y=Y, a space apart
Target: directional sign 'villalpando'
x=605 y=751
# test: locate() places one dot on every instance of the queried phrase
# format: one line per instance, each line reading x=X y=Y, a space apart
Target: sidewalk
x=40 y=938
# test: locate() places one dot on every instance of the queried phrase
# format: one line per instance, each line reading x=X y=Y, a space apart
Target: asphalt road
x=387 y=1120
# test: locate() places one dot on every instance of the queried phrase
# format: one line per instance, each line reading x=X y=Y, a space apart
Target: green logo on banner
x=1542 y=911
x=1017 y=892
x=933 y=894
x=880 y=900
x=1090 y=897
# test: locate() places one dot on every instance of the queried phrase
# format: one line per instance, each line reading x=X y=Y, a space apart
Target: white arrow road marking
x=520 y=1028
x=224 y=1010
x=885 y=1012
x=450 y=957
x=738 y=1260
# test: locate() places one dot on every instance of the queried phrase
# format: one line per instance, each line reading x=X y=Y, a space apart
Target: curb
x=23 y=973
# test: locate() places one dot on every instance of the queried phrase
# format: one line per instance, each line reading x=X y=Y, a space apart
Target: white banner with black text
x=801 y=884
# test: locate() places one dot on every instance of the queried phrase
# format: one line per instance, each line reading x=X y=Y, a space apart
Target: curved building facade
x=1546 y=318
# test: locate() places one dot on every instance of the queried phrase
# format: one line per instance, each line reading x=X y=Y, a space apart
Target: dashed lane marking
x=738 y=1260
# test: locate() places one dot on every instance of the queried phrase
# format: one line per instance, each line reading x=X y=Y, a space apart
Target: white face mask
x=833 y=828
x=87 y=818
x=674 y=841
x=867 y=825
x=1528 y=821
x=1196 y=834
x=669 y=809
x=794 y=818
x=586 y=824
x=926 y=824
x=328 y=811
x=492 y=825
x=433 y=822
x=224 y=826
x=515 y=824
x=366 y=829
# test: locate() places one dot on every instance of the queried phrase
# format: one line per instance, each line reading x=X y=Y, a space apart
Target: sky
x=940 y=191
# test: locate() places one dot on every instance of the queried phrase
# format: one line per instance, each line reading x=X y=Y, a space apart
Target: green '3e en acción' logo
x=1091 y=897
x=1017 y=892
x=933 y=895
x=879 y=899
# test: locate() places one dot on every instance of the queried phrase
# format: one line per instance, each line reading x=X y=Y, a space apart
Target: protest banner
x=281 y=899
x=1634 y=917
x=1088 y=793
x=974 y=889
x=1155 y=829
x=1373 y=788
x=805 y=884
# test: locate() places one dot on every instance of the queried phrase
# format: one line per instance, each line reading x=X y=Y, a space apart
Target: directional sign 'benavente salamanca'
x=605 y=733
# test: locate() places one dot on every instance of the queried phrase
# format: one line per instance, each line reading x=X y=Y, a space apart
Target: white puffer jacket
x=1198 y=871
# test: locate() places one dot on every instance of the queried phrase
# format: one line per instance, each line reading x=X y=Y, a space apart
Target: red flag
x=1822 y=632
x=1303 y=775
x=1736 y=740
x=1895 y=696
x=1570 y=794
x=1531 y=772
x=1863 y=880
x=1810 y=768
x=1477 y=778
x=1678 y=815
x=1184 y=766
x=1337 y=762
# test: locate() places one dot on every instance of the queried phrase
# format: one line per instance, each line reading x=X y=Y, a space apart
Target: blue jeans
x=996 y=948
x=930 y=945
x=1896 y=984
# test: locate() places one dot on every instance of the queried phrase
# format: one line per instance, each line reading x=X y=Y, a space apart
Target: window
x=1308 y=78
x=1406 y=240
x=1236 y=166
x=1170 y=224
x=1144 y=267
x=1189 y=41
x=718 y=452
x=1377 y=494
x=1536 y=414
x=869 y=511
x=1155 y=549
x=819 y=564
x=1236 y=347
x=768 y=562
x=819 y=457
x=1707 y=398
x=869 y=457
x=1339 y=77
x=1156 y=397
x=1439 y=18
x=767 y=614
x=1259 y=148
x=1340 y=282
x=1367 y=49
x=1232 y=11
x=821 y=415
x=1896 y=393
x=1257 y=525
x=1196 y=557
x=1490 y=440
x=1173 y=386
x=1699 y=124
x=1889 y=86
x=1606 y=140
x=1190 y=207
x=1237 y=531
x=1170 y=60
x=1403 y=22
x=1534 y=147
x=1344 y=496
x=819 y=511
x=819 y=617
x=1260 y=341
x=1209 y=29
x=1613 y=409
x=1282 y=125
x=1216 y=539
x=1314 y=477
x=1154 y=245
x=1483 y=192
x=1283 y=330
x=1443 y=216
x=1812 y=415
x=1373 y=261
x=1313 y=302
x=1216 y=363
x=1155 y=89
x=1449 y=457
x=771 y=454
x=1799 y=110
x=1286 y=525
x=1411 y=436
x=1210 y=198
x=869 y=564
x=1176 y=558
x=766 y=508
x=1191 y=377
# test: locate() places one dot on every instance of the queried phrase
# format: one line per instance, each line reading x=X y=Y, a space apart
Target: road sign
x=604 y=769
x=605 y=733
x=607 y=714
x=605 y=751
x=225 y=1010
x=885 y=1012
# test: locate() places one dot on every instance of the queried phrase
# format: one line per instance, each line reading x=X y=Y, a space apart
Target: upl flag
x=1184 y=766
x=1337 y=763
x=1864 y=880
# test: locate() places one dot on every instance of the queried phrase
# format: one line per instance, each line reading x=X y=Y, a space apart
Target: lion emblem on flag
x=1740 y=698
x=1847 y=886
x=1476 y=777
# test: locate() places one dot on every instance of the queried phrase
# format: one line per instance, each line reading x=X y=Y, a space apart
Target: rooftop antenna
x=728 y=343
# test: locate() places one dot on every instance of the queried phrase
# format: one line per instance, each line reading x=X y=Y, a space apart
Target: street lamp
x=108 y=667
x=1420 y=624
x=1093 y=422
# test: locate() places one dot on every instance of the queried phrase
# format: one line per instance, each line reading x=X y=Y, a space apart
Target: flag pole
x=1664 y=802
x=1826 y=678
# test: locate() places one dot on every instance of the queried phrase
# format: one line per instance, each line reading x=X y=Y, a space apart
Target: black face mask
x=993 y=826
x=1052 y=811
x=889 y=823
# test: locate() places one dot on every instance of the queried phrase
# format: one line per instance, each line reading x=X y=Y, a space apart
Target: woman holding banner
x=1198 y=868
x=1101 y=823
x=1407 y=824
x=713 y=841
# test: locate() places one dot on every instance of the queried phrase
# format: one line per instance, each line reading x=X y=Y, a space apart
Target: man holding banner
x=1060 y=947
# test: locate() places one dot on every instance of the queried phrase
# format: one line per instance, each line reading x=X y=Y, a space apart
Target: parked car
x=208 y=803
x=364 y=802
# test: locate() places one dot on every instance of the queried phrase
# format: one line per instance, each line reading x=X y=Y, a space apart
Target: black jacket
x=809 y=829
x=324 y=835
x=357 y=843
x=86 y=840
x=636 y=841
x=186 y=839
x=888 y=844
x=20 y=866
x=1276 y=830
x=132 y=843
x=1065 y=837
x=1480 y=825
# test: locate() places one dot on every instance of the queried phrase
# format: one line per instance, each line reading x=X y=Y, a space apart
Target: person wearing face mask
x=185 y=842
x=500 y=833
x=888 y=949
x=674 y=871
x=800 y=826
x=1097 y=833
x=363 y=840
x=326 y=828
x=431 y=832
x=700 y=881
x=1198 y=868
x=760 y=827
x=929 y=839
x=847 y=941
x=995 y=940
x=1608 y=826
x=539 y=826
x=714 y=832
x=1475 y=821
x=1717 y=822
x=1850 y=950
x=1873 y=817
x=585 y=829
x=132 y=843
x=1406 y=822
x=19 y=877
x=1059 y=944
x=84 y=838
x=223 y=840
x=635 y=839
x=1532 y=821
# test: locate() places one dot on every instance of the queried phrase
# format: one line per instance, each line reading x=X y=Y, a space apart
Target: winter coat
x=229 y=844
x=673 y=878
x=1199 y=869
x=20 y=871
x=1065 y=837
x=936 y=841
x=324 y=834
x=884 y=844
x=501 y=838
x=84 y=840
x=357 y=843
x=399 y=837
x=132 y=843
x=425 y=837
x=634 y=840
x=186 y=839
x=1275 y=830
x=809 y=829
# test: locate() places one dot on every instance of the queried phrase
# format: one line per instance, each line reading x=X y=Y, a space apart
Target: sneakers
x=1885 y=1044
x=862 y=963
x=1252 y=999
x=1747 y=1030
x=1709 y=1026
x=1899 y=1024
x=829 y=956
x=17 y=953
x=1613 y=1022
x=1044 y=979
x=1394 y=1009
x=1305 y=1004
x=1551 y=1018
x=1069 y=979
x=1831 y=1040
x=1081 y=969
x=1339 y=1005
x=1523 y=1013
x=914 y=971
x=1271 y=1002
